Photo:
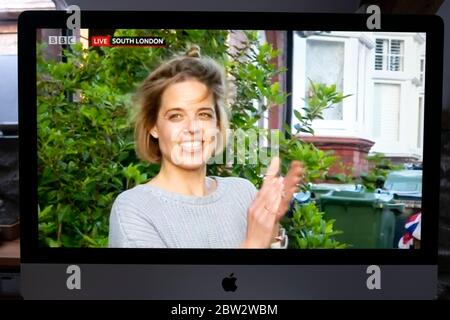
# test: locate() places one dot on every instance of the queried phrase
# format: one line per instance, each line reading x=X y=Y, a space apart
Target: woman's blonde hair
x=181 y=68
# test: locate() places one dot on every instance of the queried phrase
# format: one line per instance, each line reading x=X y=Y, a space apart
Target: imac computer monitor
x=188 y=155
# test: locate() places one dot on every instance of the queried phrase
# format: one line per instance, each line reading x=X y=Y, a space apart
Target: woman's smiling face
x=187 y=125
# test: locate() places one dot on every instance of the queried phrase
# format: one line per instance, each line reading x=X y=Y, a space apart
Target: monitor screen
x=198 y=140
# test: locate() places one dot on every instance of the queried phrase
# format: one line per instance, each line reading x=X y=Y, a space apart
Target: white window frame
x=422 y=72
x=325 y=127
x=421 y=122
x=403 y=146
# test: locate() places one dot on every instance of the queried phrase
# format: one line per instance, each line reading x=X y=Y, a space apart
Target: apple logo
x=229 y=283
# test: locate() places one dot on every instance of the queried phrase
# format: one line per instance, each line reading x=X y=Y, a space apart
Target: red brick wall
x=351 y=152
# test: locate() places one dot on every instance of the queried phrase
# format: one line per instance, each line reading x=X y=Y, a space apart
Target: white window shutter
x=386 y=116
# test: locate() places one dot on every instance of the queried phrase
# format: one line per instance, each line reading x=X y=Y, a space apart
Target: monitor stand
x=228 y=282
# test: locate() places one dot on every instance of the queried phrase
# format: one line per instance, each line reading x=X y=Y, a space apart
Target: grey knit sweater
x=150 y=217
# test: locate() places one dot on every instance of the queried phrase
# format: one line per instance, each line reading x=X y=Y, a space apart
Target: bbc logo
x=62 y=39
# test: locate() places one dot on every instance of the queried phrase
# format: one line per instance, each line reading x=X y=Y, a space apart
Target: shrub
x=379 y=168
x=307 y=229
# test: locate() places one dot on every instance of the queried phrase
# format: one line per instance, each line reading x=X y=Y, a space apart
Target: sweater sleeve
x=129 y=229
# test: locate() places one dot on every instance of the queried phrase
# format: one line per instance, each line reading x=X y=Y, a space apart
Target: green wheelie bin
x=367 y=220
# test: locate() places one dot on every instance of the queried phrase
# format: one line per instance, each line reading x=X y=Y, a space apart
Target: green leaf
x=287 y=129
x=298 y=115
x=44 y=214
x=274 y=88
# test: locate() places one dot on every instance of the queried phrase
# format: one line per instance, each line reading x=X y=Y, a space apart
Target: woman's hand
x=271 y=204
x=291 y=181
x=262 y=214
